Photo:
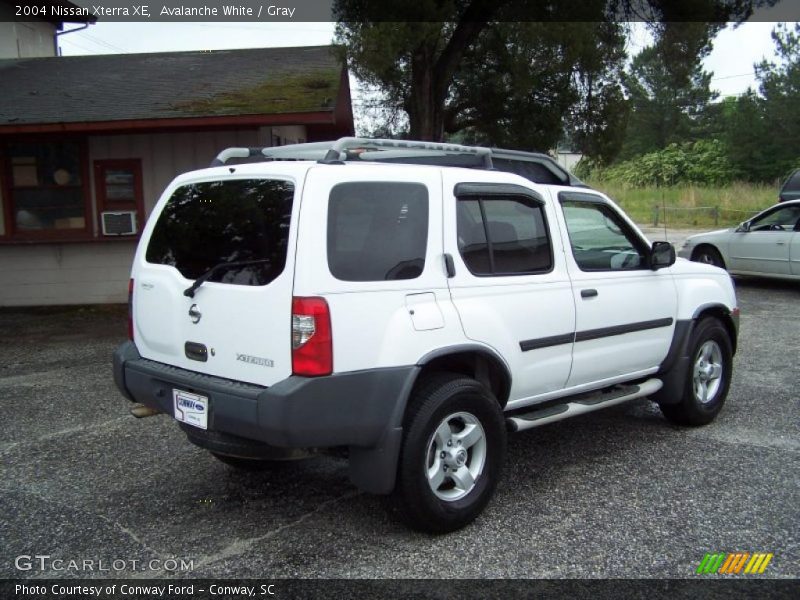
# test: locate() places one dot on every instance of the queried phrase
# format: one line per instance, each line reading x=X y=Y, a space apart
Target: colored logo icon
x=734 y=563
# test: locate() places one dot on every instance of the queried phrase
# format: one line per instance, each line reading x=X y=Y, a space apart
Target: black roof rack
x=539 y=168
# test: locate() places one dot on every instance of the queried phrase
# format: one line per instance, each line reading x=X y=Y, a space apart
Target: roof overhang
x=312 y=118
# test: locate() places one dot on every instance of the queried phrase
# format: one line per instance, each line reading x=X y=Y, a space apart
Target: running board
x=584 y=403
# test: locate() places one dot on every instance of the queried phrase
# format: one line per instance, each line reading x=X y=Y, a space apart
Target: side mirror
x=744 y=227
x=662 y=254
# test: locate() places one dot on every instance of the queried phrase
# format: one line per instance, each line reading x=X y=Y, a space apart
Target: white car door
x=765 y=246
x=508 y=279
x=625 y=311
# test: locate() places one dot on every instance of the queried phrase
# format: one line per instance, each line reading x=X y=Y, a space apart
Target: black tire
x=708 y=255
x=450 y=401
x=691 y=410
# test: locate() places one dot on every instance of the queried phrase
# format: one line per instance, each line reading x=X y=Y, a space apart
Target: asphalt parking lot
x=617 y=494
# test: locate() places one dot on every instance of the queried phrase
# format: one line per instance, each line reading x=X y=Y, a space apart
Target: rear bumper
x=362 y=410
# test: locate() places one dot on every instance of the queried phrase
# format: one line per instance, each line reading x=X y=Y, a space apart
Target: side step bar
x=584 y=403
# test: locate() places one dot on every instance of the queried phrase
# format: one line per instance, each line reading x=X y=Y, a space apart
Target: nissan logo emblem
x=195 y=314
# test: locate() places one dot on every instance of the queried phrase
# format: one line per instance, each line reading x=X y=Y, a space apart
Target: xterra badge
x=255 y=360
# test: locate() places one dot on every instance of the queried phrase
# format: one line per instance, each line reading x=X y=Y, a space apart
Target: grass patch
x=691 y=206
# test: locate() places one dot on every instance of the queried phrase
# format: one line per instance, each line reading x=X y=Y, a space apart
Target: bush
x=704 y=162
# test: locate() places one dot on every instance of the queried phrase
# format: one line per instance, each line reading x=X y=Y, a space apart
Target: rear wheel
x=708 y=255
x=709 y=376
x=452 y=454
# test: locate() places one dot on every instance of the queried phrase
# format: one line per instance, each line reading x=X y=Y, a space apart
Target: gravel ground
x=617 y=494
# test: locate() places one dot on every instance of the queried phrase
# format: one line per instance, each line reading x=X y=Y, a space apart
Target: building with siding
x=88 y=143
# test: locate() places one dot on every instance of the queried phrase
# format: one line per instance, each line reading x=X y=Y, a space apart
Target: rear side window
x=377 y=231
x=503 y=236
x=207 y=224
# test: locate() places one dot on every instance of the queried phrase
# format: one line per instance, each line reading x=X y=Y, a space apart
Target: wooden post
x=655 y=215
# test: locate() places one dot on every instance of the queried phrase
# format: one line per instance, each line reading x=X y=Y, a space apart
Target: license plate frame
x=190 y=408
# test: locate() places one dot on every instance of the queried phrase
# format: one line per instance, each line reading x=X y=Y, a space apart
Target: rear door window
x=207 y=224
x=377 y=231
x=503 y=236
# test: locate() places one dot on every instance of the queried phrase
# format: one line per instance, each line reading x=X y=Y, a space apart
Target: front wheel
x=452 y=454
x=709 y=377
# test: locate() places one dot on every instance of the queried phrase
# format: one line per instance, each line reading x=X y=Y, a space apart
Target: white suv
x=410 y=314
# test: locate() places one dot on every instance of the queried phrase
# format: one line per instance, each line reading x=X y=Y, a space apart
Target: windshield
x=234 y=221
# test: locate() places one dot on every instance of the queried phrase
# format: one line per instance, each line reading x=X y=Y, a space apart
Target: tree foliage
x=412 y=62
x=703 y=162
x=518 y=78
x=780 y=91
x=668 y=89
x=523 y=84
x=526 y=73
x=760 y=129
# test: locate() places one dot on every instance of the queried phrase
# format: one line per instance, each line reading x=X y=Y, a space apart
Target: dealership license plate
x=190 y=408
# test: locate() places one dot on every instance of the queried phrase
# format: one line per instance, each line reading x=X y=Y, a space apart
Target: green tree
x=522 y=85
x=780 y=92
x=668 y=89
x=414 y=55
x=760 y=129
x=747 y=137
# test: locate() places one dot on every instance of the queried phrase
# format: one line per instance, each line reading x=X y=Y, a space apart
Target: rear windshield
x=236 y=221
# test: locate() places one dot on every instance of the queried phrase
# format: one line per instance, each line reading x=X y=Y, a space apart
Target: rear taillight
x=130 y=309
x=312 y=343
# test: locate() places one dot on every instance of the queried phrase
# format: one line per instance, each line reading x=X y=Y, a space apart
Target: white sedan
x=768 y=245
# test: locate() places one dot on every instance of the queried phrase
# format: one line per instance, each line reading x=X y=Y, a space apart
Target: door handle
x=449 y=266
x=590 y=293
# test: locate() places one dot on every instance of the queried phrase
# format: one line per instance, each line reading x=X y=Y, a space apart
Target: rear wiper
x=216 y=269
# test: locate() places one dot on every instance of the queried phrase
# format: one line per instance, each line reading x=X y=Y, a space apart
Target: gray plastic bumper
x=362 y=410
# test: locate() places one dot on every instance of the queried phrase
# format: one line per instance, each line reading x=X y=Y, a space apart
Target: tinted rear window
x=518 y=241
x=210 y=223
x=377 y=231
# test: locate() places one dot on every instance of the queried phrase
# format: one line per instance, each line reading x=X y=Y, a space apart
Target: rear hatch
x=234 y=233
